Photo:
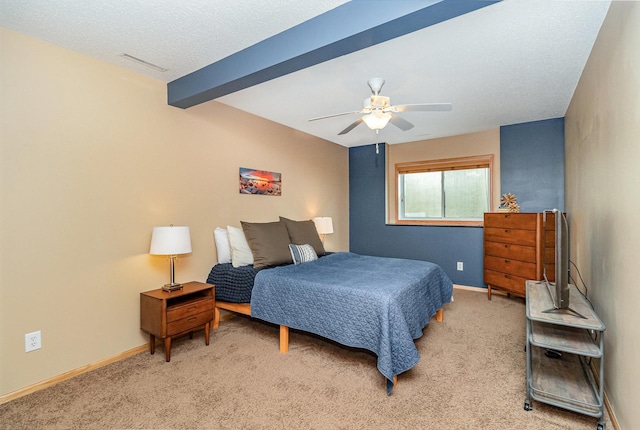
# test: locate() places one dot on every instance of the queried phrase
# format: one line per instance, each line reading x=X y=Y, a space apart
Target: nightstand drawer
x=181 y=311
x=190 y=322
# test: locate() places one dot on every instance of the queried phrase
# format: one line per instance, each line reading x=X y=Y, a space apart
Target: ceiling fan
x=378 y=111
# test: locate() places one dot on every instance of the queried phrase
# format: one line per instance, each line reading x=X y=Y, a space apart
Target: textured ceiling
x=511 y=62
x=179 y=35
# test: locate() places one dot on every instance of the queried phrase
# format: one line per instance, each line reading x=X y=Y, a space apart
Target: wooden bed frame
x=245 y=308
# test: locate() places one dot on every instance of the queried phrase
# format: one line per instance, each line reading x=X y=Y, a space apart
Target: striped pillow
x=302 y=253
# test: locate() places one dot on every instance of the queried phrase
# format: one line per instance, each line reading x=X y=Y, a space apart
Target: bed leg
x=216 y=317
x=284 y=339
x=395 y=381
x=439 y=315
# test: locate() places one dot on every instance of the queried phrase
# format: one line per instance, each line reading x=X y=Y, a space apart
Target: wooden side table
x=165 y=314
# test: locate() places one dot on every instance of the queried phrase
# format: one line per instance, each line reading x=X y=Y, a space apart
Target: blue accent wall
x=532 y=164
x=370 y=235
x=532 y=168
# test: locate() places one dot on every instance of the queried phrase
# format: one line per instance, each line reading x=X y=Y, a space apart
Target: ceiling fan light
x=377 y=120
x=380 y=101
x=374 y=102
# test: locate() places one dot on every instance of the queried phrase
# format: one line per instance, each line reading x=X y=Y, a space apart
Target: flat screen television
x=556 y=260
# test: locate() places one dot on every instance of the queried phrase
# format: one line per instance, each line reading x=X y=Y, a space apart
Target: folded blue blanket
x=380 y=304
x=233 y=284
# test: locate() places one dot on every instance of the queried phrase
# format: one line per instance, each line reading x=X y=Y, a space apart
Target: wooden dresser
x=513 y=249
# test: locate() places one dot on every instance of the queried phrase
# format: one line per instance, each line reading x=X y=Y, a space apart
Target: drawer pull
x=192 y=319
x=507 y=231
x=507 y=261
x=192 y=308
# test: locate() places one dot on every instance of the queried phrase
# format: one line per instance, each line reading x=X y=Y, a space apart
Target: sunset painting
x=254 y=181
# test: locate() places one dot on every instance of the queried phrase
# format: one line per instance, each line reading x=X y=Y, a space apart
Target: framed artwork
x=253 y=181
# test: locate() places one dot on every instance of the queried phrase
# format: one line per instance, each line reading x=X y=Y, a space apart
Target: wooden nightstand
x=166 y=314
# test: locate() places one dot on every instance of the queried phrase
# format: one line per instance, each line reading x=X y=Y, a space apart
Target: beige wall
x=602 y=132
x=465 y=145
x=92 y=158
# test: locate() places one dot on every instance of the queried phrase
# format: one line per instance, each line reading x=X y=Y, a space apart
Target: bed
x=376 y=303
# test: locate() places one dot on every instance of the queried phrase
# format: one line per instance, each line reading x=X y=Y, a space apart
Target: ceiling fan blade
x=401 y=123
x=335 y=114
x=429 y=107
x=351 y=127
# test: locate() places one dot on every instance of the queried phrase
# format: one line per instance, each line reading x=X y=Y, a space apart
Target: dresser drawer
x=513 y=267
x=177 y=312
x=525 y=221
x=513 y=252
x=190 y=322
x=514 y=284
x=508 y=235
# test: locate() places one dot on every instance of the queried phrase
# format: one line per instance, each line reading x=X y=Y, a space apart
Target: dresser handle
x=507 y=231
x=192 y=308
x=191 y=319
x=507 y=261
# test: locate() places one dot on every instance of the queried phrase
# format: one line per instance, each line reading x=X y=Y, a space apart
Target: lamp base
x=172 y=287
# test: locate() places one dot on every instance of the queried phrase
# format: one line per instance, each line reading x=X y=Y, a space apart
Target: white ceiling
x=512 y=62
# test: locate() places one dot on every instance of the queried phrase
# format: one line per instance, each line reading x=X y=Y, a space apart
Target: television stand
x=567 y=311
x=565 y=379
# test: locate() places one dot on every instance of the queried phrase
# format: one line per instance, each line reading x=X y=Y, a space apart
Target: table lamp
x=171 y=241
x=324 y=225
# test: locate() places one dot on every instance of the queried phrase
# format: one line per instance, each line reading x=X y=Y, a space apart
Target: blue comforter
x=380 y=304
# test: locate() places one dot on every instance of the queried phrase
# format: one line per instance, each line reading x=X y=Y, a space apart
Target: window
x=453 y=191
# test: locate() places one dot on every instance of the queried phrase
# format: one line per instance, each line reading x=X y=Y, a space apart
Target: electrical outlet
x=32 y=341
x=460 y=266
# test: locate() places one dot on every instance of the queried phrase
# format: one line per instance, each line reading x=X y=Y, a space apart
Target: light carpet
x=471 y=375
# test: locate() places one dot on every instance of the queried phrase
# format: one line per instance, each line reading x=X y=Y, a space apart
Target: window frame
x=460 y=163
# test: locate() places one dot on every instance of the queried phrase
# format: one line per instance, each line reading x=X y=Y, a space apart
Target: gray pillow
x=302 y=253
x=269 y=243
x=303 y=232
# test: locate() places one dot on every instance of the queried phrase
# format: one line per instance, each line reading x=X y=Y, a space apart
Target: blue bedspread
x=380 y=304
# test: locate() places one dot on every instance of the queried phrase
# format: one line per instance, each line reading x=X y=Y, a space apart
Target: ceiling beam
x=350 y=27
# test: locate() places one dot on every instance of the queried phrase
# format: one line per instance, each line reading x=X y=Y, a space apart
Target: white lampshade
x=377 y=120
x=324 y=224
x=171 y=240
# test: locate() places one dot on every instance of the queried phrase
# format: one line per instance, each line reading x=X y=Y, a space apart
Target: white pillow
x=223 y=249
x=240 y=252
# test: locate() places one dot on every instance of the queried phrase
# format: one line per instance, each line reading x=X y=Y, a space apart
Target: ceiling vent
x=144 y=63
